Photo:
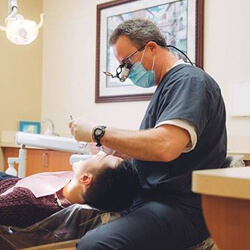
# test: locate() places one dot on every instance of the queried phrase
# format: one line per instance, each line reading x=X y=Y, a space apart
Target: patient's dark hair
x=113 y=189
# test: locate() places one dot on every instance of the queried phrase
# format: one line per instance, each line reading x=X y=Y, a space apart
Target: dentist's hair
x=113 y=189
x=139 y=32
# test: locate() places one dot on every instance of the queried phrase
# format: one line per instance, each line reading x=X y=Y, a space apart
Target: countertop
x=245 y=154
x=226 y=182
x=9 y=145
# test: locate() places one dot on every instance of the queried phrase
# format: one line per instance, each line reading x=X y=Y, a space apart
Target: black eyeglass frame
x=124 y=64
x=133 y=54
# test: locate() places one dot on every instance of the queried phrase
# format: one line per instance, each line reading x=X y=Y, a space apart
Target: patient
x=105 y=182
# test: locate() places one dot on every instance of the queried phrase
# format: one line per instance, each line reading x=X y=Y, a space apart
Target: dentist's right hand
x=82 y=129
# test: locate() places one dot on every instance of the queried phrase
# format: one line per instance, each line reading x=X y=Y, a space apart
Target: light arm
x=12 y=8
x=41 y=21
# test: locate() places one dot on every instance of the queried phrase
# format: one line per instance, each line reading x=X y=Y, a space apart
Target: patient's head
x=108 y=182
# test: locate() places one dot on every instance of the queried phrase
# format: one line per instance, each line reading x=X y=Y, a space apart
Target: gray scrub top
x=187 y=93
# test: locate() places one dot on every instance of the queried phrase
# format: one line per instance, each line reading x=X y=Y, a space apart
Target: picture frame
x=188 y=36
x=30 y=127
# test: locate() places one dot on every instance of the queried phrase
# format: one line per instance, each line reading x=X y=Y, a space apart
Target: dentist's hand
x=82 y=129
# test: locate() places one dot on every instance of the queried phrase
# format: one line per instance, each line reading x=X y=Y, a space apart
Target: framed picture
x=30 y=127
x=180 y=21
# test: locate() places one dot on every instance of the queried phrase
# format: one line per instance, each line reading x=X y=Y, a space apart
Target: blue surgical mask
x=140 y=76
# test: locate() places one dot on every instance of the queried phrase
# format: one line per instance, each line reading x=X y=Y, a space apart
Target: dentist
x=183 y=130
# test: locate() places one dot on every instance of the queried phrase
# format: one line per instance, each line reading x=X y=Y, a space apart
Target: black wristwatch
x=98 y=134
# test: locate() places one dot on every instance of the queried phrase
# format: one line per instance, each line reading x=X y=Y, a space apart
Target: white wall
x=69 y=62
x=20 y=71
x=227 y=57
x=69 y=69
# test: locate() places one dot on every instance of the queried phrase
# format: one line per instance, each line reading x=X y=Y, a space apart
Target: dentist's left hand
x=82 y=129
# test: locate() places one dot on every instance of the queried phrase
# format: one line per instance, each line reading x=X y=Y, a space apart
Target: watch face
x=98 y=134
x=98 y=131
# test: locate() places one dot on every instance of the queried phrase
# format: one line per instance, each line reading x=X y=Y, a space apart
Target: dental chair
x=67 y=224
x=72 y=214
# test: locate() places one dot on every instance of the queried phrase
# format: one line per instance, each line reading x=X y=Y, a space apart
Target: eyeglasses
x=122 y=71
x=133 y=54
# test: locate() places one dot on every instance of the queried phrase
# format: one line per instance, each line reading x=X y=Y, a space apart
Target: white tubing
x=51 y=142
x=12 y=13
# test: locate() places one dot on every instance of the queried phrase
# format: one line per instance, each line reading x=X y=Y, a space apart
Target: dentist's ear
x=87 y=179
x=152 y=46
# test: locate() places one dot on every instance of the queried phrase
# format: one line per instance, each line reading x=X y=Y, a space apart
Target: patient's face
x=96 y=162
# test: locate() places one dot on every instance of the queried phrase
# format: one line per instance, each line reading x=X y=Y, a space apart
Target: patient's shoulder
x=7 y=183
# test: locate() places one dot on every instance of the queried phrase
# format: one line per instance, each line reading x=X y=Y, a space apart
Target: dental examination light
x=19 y=30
